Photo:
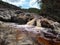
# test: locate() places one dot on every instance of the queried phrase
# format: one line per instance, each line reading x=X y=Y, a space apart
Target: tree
x=34 y=10
x=50 y=8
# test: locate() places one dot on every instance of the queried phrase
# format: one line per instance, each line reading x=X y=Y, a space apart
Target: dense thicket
x=50 y=8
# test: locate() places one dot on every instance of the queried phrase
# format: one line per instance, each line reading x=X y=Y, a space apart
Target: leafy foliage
x=32 y=10
x=50 y=8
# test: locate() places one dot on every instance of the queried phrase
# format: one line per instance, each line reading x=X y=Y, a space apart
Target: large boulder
x=46 y=24
x=16 y=16
x=9 y=13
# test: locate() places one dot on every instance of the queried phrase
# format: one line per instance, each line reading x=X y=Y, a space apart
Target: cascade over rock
x=21 y=28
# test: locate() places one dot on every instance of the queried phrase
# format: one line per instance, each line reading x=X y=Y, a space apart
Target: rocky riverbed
x=24 y=28
x=14 y=34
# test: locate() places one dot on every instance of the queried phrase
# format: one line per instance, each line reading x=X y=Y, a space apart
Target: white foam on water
x=29 y=28
x=33 y=29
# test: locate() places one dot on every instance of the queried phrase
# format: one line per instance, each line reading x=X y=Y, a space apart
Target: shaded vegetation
x=50 y=8
x=32 y=10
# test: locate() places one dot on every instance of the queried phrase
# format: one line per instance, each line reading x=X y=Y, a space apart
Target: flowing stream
x=45 y=33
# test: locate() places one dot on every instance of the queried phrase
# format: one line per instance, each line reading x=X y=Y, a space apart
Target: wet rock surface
x=14 y=34
x=10 y=15
x=34 y=30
